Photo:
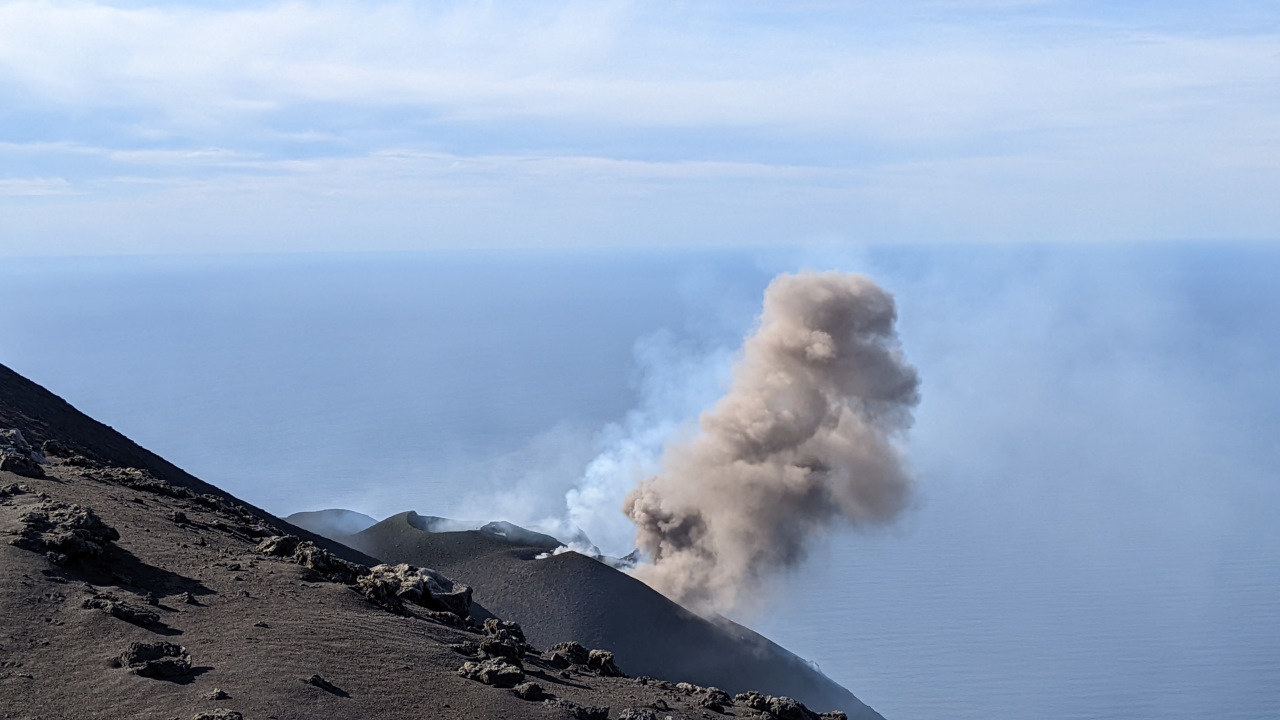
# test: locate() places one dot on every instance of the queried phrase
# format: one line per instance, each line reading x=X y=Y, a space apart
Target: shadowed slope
x=571 y=596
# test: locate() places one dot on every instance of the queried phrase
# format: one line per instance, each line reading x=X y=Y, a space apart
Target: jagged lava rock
x=156 y=659
x=62 y=530
x=494 y=671
x=17 y=455
x=391 y=586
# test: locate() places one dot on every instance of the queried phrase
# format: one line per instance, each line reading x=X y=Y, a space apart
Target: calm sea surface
x=1097 y=527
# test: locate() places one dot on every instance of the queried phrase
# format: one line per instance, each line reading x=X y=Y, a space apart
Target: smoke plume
x=804 y=438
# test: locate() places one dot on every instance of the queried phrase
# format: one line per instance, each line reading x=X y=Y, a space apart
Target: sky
x=229 y=127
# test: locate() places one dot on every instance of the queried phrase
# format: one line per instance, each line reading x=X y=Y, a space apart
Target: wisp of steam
x=806 y=436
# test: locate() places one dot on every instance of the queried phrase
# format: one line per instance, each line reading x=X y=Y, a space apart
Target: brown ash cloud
x=806 y=437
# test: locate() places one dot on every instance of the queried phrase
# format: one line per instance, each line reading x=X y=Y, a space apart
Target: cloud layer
x=720 y=123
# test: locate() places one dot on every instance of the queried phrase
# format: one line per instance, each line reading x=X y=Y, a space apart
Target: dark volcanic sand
x=256 y=627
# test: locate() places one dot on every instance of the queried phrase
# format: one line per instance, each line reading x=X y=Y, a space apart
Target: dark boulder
x=504 y=629
x=601 y=661
x=562 y=655
x=18 y=457
x=530 y=691
x=60 y=530
x=314 y=558
x=466 y=647
x=56 y=448
x=784 y=708
x=155 y=660
x=494 y=671
x=495 y=648
x=574 y=711
x=392 y=586
x=20 y=465
x=279 y=546
x=330 y=566
x=115 y=607
x=317 y=680
x=715 y=699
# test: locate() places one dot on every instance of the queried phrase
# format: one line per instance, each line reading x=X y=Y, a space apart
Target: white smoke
x=676 y=381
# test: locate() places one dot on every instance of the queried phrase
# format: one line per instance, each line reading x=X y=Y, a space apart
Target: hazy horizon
x=1094 y=519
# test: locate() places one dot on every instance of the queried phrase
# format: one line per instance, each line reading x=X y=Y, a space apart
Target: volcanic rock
x=56 y=448
x=156 y=660
x=574 y=711
x=279 y=546
x=504 y=630
x=317 y=680
x=784 y=708
x=312 y=557
x=564 y=654
x=601 y=661
x=466 y=647
x=115 y=607
x=18 y=457
x=715 y=699
x=531 y=691
x=20 y=465
x=494 y=671
x=391 y=586
x=495 y=648
x=59 y=529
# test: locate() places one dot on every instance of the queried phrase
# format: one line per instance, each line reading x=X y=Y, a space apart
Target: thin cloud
x=613 y=65
x=591 y=123
x=34 y=187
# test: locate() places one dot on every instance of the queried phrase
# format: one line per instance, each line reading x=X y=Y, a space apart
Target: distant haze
x=803 y=438
x=1093 y=528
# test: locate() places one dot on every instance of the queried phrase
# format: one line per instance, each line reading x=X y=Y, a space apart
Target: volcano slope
x=130 y=589
x=574 y=596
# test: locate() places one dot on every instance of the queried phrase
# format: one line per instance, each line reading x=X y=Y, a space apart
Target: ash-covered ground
x=129 y=588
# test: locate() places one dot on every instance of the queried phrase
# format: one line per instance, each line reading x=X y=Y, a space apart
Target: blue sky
x=309 y=126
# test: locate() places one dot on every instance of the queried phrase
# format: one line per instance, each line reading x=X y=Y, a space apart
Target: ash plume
x=804 y=438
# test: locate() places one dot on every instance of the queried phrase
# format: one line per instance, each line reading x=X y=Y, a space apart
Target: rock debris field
x=129 y=589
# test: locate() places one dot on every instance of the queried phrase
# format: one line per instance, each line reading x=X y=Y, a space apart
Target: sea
x=1095 y=529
